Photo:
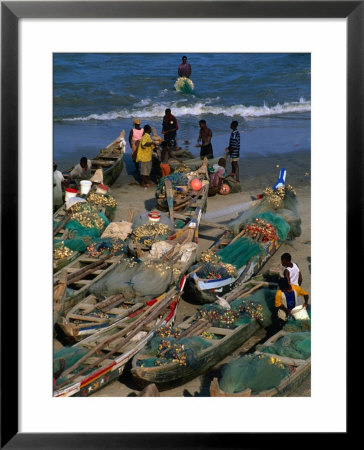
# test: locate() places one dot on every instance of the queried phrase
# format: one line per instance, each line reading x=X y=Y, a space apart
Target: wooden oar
x=169 y=195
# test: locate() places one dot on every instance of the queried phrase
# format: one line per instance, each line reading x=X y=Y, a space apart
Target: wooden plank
x=88 y=318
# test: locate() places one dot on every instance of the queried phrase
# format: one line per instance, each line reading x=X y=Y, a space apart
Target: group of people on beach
x=142 y=146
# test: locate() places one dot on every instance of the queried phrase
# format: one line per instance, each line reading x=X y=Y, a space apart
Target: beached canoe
x=82 y=273
x=211 y=280
x=192 y=163
x=176 y=245
x=299 y=370
x=203 y=341
x=109 y=159
x=184 y=198
x=99 y=359
x=90 y=315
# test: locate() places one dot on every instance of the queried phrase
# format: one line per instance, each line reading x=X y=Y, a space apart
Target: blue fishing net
x=68 y=356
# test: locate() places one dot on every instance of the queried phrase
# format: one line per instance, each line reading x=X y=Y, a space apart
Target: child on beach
x=291 y=271
x=233 y=150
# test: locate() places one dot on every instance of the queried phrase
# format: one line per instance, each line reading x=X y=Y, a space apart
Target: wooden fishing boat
x=109 y=159
x=91 y=315
x=181 y=259
x=192 y=163
x=204 y=289
x=82 y=273
x=171 y=372
x=106 y=352
x=299 y=370
x=59 y=295
x=183 y=198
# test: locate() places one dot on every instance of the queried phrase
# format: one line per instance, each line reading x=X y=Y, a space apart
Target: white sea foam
x=145 y=108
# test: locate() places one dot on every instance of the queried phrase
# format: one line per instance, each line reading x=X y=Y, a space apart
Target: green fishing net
x=293 y=325
x=259 y=304
x=135 y=279
x=281 y=226
x=69 y=356
x=281 y=202
x=292 y=345
x=172 y=349
x=240 y=252
x=255 y=372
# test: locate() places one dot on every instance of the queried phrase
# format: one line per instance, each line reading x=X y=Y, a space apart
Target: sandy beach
x=256 y=173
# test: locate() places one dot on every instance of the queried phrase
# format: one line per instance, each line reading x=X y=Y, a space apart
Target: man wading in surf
x=184 y=69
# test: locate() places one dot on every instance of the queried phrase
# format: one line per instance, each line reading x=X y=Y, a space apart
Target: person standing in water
x=205 y=137
x=184 y=69
x=233 y=150
x=169 y=128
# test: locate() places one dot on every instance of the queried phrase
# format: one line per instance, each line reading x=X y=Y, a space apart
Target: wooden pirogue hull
x=111 y=366
x=302 y=369
x=190 y=202
x=82 y=285
x=204 y=290
x=110 y=159
x=172 y=373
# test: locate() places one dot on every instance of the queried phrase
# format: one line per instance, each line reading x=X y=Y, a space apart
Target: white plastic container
x=85 y=186
x=69 y=193
x=300 y=313
x=154 y=217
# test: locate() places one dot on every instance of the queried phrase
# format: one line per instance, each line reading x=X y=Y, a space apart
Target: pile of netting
x=240 y=252
x=167 y=346
x=269 y=225
x=216 y=270
x=292 y=345
x=105 y=246
x=176 y=178
x=64 y=358
x=106 y=200
x=86 y=225
x=255 y=372
x=149 y=233
x=135 y=279
x=184 y=84
x=282 y=202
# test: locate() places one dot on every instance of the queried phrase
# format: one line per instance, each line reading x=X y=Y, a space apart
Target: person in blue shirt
x=233 y=150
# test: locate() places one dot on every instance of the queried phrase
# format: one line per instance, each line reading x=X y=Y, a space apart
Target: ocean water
x=95 y=96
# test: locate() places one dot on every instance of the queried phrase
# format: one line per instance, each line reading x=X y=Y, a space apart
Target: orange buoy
x=196 y=184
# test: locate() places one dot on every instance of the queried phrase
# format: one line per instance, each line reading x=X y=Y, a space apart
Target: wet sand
x=256 y=173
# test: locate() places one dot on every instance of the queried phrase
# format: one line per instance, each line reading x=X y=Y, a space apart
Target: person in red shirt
x=169 y=128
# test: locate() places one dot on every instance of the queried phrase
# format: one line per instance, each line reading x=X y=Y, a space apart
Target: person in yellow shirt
x=287 y=298
x=144 y=156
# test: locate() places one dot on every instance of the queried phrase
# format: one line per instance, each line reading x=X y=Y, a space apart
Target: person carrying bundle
x=287 y=298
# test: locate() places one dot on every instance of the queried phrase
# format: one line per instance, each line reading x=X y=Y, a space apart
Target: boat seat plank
x=88 y=318
x=82 y=282
x=222 y=331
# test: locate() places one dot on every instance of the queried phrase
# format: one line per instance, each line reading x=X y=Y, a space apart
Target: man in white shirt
x=58 y=181
x=81 y=171
x=291 y=271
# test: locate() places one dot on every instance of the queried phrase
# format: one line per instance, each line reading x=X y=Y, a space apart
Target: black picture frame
x=11 y=12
